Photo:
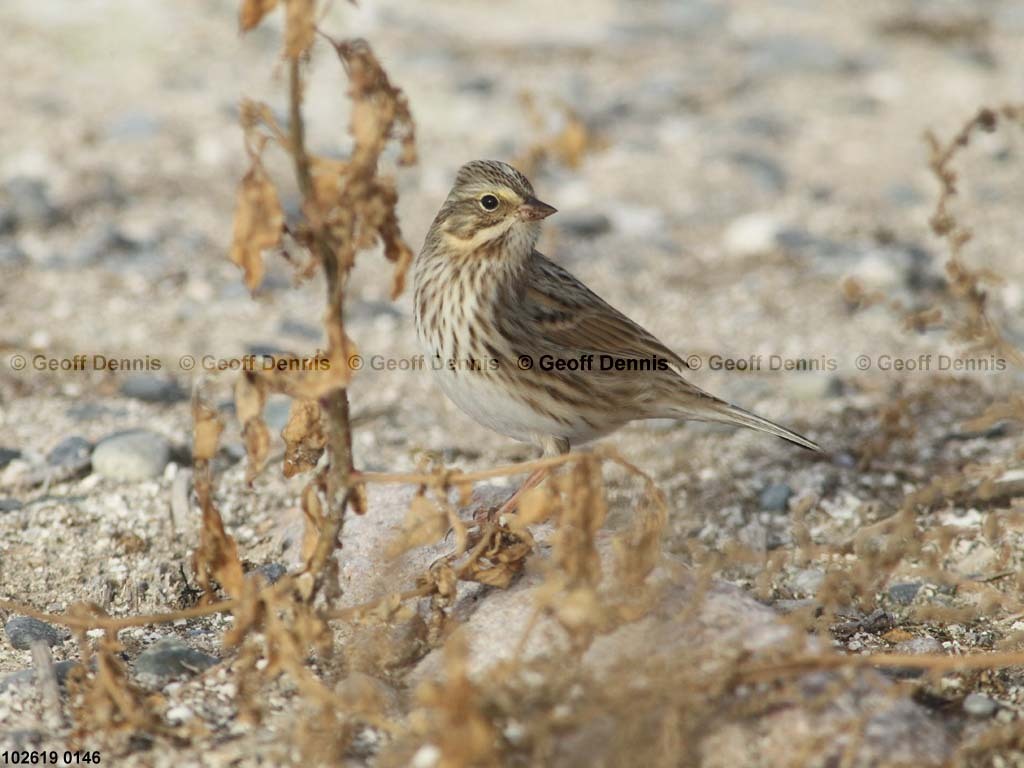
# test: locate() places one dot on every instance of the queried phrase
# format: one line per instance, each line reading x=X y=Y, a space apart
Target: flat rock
x=134 y=455
x=22 y=631
x=171 y=658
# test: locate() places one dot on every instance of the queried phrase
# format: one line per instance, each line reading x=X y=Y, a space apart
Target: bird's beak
x=534 y=210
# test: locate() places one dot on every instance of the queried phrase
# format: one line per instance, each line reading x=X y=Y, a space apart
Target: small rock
x=22 y=631
x=797 y=55
x=807 y=581
x=585 y=224
x=70 y=452
x=979 y=705
x=169 y=658
x=28 y=676
x=132 y=126
x=153 y=389
x=768 y=173
x=96 y=245
x=272 y=572
x=752 y=234
x=10 y=505
x=30 y=204
x=637 y=220
x=133 y=455
x=904 y=195
x=775 y=498
x=11 y=255
x=905 y=592
x=7 y=455
x=180 y=713
x=919 y=645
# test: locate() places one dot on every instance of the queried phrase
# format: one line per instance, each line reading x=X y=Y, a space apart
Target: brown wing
x=577 y=320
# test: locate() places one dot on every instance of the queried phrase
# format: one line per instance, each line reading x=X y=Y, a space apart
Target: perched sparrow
x=489 y=309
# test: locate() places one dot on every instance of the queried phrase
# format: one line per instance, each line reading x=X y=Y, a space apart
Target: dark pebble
x=97 y=245
x=22 y=631
x=775 y=498
x=7 y=455
x=587 y=224
x=71 y=451
x=904 y=593
x=10 y=505
x=272 y=572
x=29 y=202
x=170 y=658
x=153 y=389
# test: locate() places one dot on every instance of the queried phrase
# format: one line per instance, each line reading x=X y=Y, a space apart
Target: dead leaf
x=253 y=11
x=259 y=220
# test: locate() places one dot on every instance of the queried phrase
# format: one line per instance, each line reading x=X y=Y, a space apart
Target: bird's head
x=491 y=204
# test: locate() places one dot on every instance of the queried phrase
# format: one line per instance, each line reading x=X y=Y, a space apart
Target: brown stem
x=334 y=405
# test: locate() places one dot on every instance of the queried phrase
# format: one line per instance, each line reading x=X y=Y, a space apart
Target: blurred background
x=720 y=169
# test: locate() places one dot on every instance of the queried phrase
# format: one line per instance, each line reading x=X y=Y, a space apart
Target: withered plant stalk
x=334 y=404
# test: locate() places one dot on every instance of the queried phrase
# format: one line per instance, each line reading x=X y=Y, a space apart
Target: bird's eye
x=489 y=202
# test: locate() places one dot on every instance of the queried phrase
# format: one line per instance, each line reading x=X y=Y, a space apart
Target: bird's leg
x=536 y=478
x=555 y=446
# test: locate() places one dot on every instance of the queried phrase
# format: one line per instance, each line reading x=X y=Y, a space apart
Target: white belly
x=484 y=398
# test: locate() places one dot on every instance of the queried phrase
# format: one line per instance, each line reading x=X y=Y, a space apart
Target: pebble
x=979 y=705
x=796 y=55
x=180 y=713
x=752 y=234
x=170 y=658
x=133 y=455
x=7 y=455
x=69 y=452
x=10 y=505
x=96 y=245
x=764 y=170
x=153 y=389
x=585 y=224
x=272 y=572
x=905 y=592
x=919 y=645
x=775 y=498
x=132 y=126
x=29 y=203
x=11 y=255
x=28 y=676
x=807 y=581
x=22 y=631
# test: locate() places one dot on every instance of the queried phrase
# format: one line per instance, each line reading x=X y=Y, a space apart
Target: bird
x=495 y=317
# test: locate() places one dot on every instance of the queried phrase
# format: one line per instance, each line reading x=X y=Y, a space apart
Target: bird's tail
x=713 y=409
